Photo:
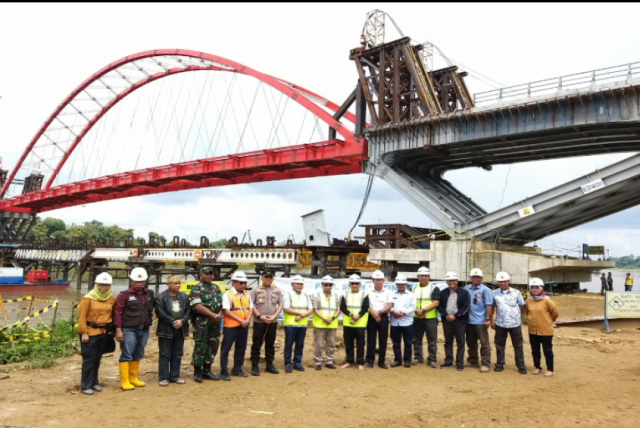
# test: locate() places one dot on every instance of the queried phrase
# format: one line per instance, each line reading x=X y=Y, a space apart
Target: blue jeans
x=132 y=347
x=628 y=287
x=294 y=335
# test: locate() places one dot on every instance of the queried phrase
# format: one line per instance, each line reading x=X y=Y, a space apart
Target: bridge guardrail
x=556 y=84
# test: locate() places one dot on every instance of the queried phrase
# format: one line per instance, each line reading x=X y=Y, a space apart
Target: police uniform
x=206 y=332
x=266 y=301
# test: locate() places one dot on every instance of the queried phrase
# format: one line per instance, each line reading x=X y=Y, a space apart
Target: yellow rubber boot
x=124 y=377
x=133 y=373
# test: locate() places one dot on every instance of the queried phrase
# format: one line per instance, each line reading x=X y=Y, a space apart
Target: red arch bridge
x=145 y=124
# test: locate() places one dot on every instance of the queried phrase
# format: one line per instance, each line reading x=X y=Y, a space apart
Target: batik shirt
x=507 y=304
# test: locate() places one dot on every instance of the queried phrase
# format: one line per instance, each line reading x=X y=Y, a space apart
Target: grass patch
x=42 y=353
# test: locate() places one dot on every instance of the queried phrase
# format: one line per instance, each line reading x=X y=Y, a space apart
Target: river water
x=70 y=295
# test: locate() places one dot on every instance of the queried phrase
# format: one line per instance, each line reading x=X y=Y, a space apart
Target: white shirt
x=226 y=304
x=379 y=299
x=403 y=302
x=286 y=300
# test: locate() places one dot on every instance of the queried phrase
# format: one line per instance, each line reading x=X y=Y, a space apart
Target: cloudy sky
x=49 y=49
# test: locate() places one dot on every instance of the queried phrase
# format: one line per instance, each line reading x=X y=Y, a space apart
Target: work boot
x=255 y=370
x=133 y=373
x=271 y=368
x=124 y=376
x=206 y=373
x=224 y=375
x=197 y=374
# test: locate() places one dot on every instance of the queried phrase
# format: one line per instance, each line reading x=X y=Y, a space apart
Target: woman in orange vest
x=237 y=308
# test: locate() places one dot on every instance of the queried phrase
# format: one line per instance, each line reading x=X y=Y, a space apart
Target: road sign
x=590 y=187
x=595 y=251
x=619 y=304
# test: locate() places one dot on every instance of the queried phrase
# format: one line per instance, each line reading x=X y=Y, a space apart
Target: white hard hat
x=401 y=279
x=104 y=278
x=424 y=271
x=297 y=279
x=450 y=276
x=239 y=276
x=327 y=279
x=476 y=272
x=533 y=282
x=355 y=278
x=138 y=274
x=503 y=276
x=377 y=275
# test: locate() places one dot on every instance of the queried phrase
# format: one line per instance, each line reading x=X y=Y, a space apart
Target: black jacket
x=464 y=301
x=165 y=318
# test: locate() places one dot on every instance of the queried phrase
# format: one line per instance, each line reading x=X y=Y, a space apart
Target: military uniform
x=206 y=332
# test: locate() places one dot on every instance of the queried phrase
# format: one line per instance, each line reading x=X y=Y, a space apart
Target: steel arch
x=302 y=96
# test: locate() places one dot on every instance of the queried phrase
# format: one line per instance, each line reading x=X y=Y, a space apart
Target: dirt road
x=596 y=385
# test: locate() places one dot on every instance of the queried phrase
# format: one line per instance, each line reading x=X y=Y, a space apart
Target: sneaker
x=288 y=368
x=498 y=369
x=97 y=388
x=446 y=366
x=87 y=391
x=396 y=364
x=416 y=362
x=433 y=365
x=330 y=366
x=298 y=367
x=484 y=369
x=383 y=366
x=238 y=373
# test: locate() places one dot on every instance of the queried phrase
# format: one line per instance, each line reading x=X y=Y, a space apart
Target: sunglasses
x=327 y=285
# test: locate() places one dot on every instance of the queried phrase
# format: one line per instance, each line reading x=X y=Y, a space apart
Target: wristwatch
x=487 y=319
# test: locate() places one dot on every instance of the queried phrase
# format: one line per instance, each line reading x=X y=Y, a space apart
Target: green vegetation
x=42 y=353
x=629 y=262
x=53 y=228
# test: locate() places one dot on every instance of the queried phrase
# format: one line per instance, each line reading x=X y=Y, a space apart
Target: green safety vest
x=299 y=302
x=327 y=307
x=423 y=299
x=354 y=304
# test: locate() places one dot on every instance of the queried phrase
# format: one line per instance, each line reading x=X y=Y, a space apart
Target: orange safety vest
x=240 y=307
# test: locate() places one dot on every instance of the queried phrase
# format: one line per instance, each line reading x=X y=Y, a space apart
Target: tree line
x=627 y=262
x=56 y=229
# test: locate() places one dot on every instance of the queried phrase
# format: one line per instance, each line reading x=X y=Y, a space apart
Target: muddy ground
x=596 y=384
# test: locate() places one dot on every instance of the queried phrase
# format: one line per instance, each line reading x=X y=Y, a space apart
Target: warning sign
x=622 y=305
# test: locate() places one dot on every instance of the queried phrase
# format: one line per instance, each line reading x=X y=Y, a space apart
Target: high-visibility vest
x=240 y=307
x=423 y=299
x=354 y=304
x=327 y=307
x=299 y=302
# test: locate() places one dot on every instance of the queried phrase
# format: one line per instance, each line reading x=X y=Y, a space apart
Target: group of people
x=367 y=318
x=607 y=282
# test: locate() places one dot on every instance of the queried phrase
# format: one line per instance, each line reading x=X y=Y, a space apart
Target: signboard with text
x=595 y=251
x=619 y=304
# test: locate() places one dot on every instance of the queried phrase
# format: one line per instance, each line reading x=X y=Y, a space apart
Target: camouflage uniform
x=206 y=333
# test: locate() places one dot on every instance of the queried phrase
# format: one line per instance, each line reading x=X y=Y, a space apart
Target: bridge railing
x=556 y=84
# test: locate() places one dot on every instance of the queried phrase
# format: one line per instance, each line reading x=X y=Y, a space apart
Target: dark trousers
x=91 y=356
x=610 y=285
x=475 y=333
x=264 y=333
x=380 y=329
x=547 y=348
x=171 y=352
x=231 y=335
x=349 y=335
x=455 y=329
x=500 y=340
x=430 y=327
x=294 y=335
x=399 y=334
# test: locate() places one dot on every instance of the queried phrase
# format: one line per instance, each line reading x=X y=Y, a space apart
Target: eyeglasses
x=327 y=285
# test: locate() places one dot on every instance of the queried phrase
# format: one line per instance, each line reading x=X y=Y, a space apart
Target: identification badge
x=132 y=298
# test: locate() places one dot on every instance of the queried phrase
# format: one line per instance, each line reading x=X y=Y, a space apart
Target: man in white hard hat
x=297 y=308
x=380 y=303
x=509 y=306
x=480 y=313
x=404 y=304
x=236 y=306
x=426 y=318
x=454 y=309
x=326 y=308
x=355 y=314
x=132 y=319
